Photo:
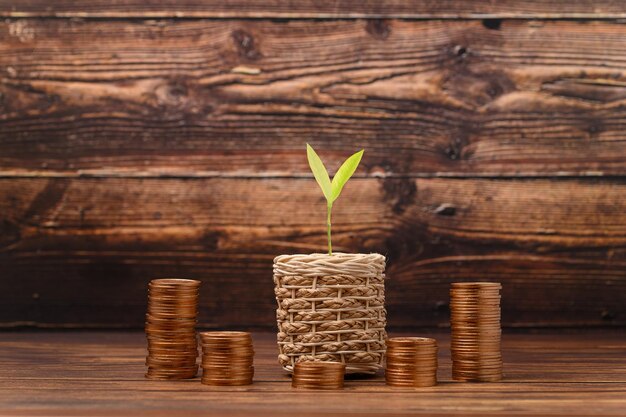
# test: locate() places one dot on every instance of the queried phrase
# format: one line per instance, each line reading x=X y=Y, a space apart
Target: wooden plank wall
x=143 y=139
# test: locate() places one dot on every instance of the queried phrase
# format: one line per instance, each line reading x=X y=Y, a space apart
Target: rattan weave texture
x=331 y=308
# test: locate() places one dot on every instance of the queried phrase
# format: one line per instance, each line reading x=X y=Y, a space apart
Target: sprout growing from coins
x=331 y=189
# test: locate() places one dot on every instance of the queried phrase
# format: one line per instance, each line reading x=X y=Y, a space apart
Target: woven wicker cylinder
x=331 y=308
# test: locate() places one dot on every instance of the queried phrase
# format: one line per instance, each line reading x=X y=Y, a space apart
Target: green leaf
x=319 y=172
x=344 y=173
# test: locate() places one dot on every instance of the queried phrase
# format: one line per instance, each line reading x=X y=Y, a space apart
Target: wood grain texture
x=101 y=374
x=317 y=9
x=220 y=98
x=81 y=251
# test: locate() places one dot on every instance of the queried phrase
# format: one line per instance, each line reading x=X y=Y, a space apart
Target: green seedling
x=331 y=189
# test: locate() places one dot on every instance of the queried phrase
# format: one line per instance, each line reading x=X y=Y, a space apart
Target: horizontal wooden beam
x=241 y=98
x=307 y=9
x=81 y=251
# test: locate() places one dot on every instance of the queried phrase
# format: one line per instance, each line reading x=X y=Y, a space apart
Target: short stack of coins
x=318 y=375
x=227 y=358
x=476 y=332
x=171 y=328
x=411 y=362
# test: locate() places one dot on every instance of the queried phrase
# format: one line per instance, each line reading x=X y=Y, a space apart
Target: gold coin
x=411 y=362
x=170 y=329
x=318 y=375
x=475 y=329
x=227 y=358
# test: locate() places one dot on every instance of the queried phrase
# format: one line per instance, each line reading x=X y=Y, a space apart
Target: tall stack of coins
x=475 y=322
x=411 y=362
x=318 y=375
x=170 y=328
x=227 y=358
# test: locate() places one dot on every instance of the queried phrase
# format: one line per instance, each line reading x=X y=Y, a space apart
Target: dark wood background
x=144 y=138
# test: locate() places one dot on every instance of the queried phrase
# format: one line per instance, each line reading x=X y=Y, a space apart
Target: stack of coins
x=318 y=375
x=170 y=328
x=475 y=322
x=227 y=358
x=411 y=362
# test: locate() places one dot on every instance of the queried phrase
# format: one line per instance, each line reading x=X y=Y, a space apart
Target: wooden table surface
x=101 y=373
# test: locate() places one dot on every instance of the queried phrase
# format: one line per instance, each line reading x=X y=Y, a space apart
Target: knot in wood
x=245 y=45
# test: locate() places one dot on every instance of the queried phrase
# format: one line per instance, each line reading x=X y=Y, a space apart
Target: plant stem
x=330 y=245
